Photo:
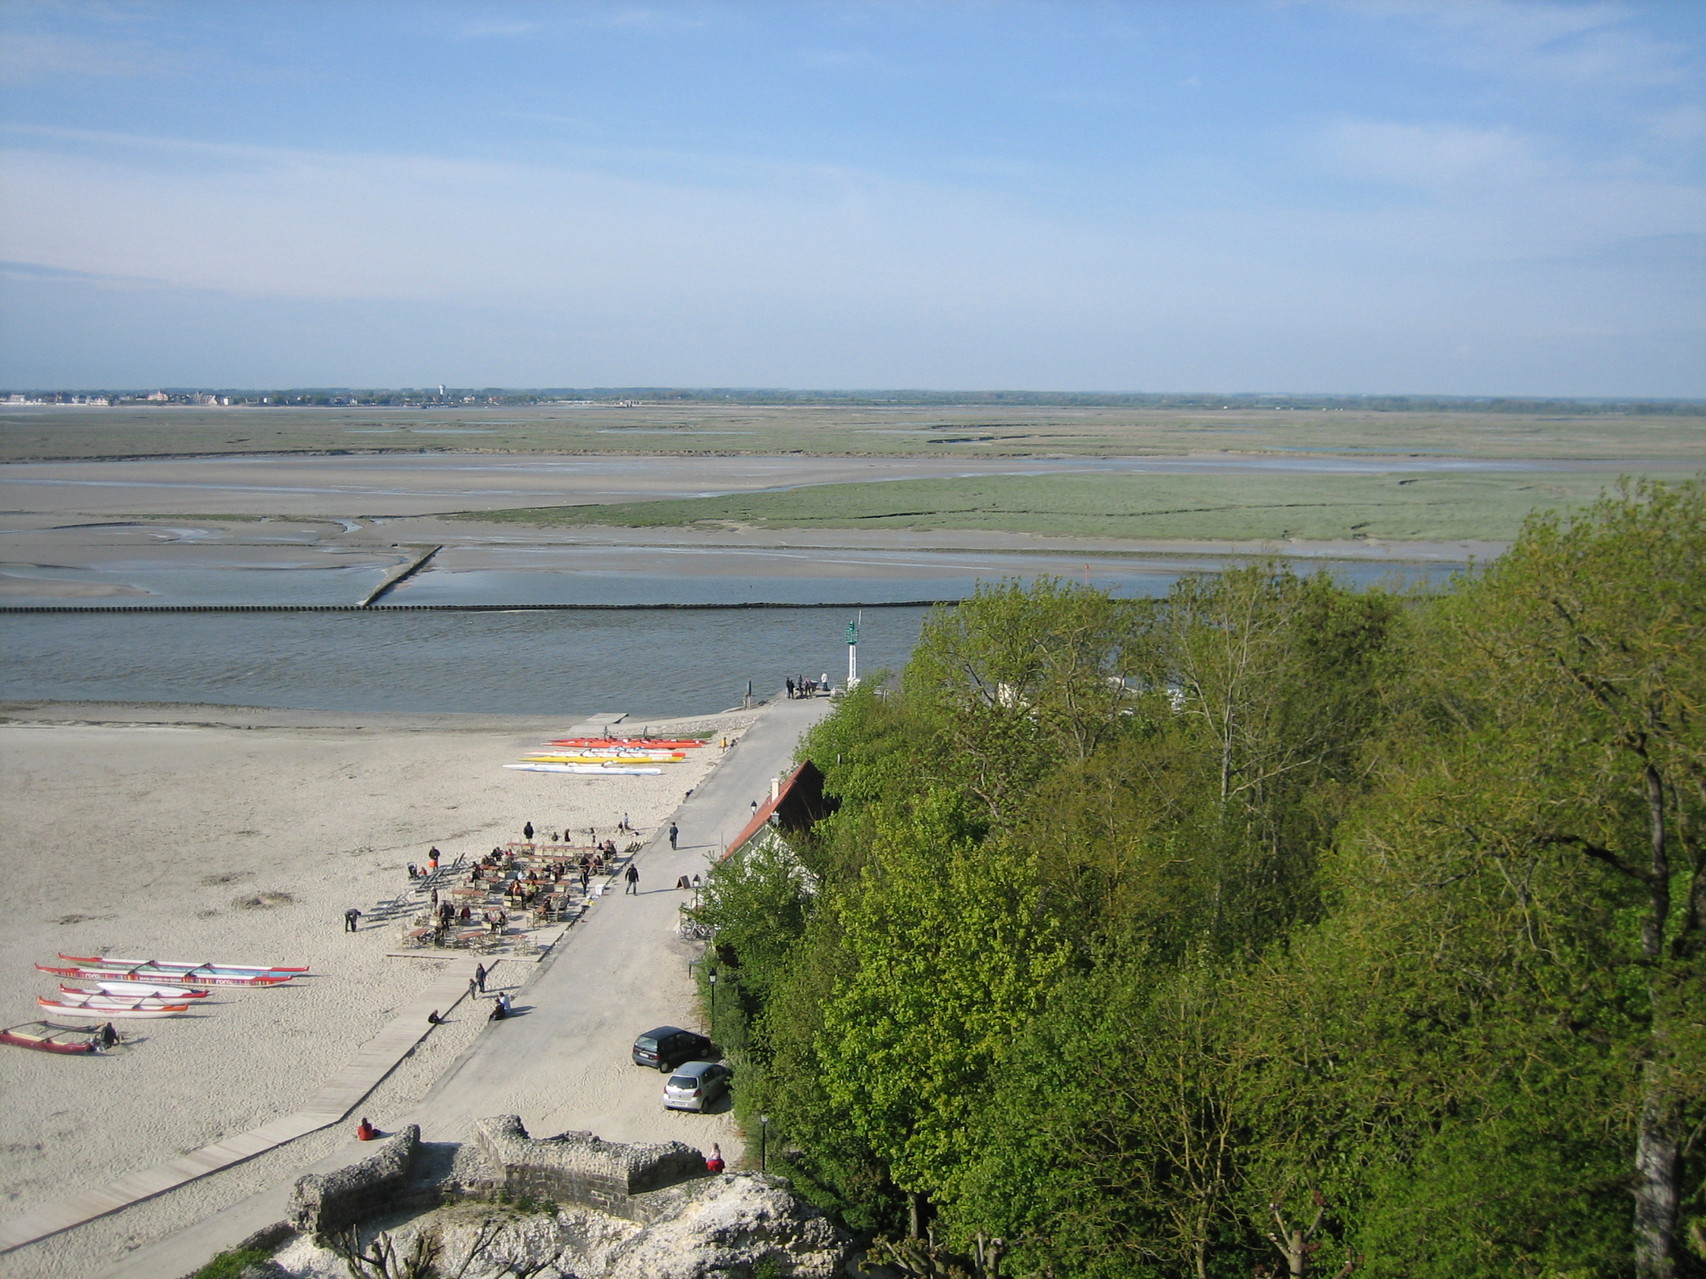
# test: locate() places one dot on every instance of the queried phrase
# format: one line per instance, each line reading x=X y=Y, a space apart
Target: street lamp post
x=763 y=1142
x=713 y=980
x=696 y=892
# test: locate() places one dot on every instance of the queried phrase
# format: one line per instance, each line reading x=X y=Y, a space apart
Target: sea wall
x=370 y=1187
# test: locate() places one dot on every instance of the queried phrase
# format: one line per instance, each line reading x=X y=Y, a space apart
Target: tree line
x=1266 y=928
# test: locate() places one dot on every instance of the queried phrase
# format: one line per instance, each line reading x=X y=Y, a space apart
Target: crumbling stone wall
x=323 y=1202
x=579 y=1168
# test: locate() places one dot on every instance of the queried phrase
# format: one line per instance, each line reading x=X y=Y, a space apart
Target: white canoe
x=96 y=1010
x=135 y=991
x=184 y=965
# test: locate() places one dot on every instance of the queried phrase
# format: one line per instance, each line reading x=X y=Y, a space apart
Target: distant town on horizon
x=618 y=397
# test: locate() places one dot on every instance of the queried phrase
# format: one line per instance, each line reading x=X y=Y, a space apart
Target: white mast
x=853 y=651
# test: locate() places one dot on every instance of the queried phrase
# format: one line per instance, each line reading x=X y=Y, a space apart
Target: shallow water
x=658 y=663
x=661 y=663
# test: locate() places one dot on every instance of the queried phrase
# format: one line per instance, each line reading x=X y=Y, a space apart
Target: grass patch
x=229 y=1265
x=1243 y=507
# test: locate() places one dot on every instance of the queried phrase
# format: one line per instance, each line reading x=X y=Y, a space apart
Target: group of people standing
x=804 y=686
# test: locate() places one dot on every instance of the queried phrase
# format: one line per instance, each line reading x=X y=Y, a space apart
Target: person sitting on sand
x=365 y=1131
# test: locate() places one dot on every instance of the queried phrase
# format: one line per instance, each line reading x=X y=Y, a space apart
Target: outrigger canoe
x=590 y=770
x=159 y=994
x=106 y=961
x=94 y=999
x=92 y=1010
x=145 y=974
x=46 y=1037
x=135 y=991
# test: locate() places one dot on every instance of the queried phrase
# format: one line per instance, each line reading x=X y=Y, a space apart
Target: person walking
x=480 y=978
x=673 y=832
x=350 y=917
x=527 y=832
x=633 y=878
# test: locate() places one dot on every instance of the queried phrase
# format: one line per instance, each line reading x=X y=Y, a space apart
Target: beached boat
x=589 y=770
x=138 y=988
x=184 y=965
x=93 y=1009
x=592 y=758
x=44 y=1036
x=99 y=999
x=83 y=973
x=637 y=743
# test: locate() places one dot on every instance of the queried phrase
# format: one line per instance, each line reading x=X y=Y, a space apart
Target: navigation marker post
x=853 y=651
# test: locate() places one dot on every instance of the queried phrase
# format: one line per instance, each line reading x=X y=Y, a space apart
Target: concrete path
x=563 y=1062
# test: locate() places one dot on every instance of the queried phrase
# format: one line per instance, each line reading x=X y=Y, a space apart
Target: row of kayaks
x=115 y=987
x=608 y=756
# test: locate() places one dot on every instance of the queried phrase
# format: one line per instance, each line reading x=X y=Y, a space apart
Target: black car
x=668 y=1046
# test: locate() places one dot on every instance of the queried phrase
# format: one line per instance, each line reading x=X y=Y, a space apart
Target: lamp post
x=696 y=892
x=713 y=980
x=763 y=1142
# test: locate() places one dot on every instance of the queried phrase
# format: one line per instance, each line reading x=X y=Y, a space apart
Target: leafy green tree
x=1109 y=1146
x=947 y=954
x=1016 y=679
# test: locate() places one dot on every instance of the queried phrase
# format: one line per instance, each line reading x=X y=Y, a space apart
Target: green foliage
x=947 y=954
x=231 y=1264
x=1270 y=924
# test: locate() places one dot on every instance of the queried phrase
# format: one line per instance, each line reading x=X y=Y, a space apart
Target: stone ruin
x=619 y=1211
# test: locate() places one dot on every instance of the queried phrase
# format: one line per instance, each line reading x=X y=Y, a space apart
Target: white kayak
x=93 y=1009
x=132 y=989
x=586 y=770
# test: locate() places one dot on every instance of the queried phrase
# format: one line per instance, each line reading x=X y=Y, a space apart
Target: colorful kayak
x=639 y=743
x=602 y=759
x=90 y=1010
x=142 y=990
x=590 y=770
x=44 y=1036
x=146 y=974
x=106 y=961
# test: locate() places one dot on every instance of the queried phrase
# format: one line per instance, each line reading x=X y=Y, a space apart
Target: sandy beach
x=241 y=836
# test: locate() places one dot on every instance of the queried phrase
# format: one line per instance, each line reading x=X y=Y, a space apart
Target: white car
x=695 y=1085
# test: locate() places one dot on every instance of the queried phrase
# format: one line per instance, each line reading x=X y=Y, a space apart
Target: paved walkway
x=620 y=971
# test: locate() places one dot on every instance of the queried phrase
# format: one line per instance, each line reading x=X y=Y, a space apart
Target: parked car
x=695 y=1085
x=667 y=1047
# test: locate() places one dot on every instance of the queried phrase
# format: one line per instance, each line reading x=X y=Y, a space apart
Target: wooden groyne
x=401 y=575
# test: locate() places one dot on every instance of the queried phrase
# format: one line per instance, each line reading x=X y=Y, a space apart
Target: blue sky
x=1423 y=196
